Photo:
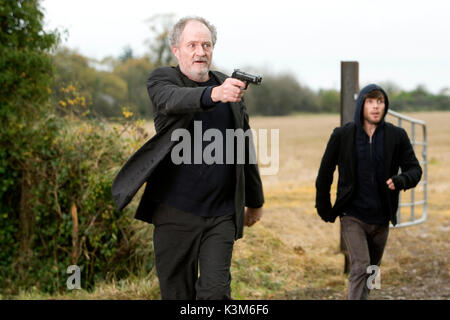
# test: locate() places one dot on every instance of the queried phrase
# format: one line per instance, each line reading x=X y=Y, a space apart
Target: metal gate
x=414 y=199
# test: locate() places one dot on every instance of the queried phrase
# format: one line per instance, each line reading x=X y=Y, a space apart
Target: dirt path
x=416 y=260
x=420 y=255
x=415 y=264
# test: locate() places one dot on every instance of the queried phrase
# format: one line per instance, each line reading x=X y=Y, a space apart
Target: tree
x=134 y=73
x=279 y=95
x=329 y=100
x=105 y=92
x=26 y=133
x=391 y=88
x=160 y=51
x=56 y=206
x=126 y=54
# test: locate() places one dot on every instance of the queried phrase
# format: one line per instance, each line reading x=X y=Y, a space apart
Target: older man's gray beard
x=204 y=70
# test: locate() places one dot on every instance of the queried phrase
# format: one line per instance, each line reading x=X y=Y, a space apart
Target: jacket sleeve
x=254 y=197
x=325 y=177
x=411 y=172
x=169 y=96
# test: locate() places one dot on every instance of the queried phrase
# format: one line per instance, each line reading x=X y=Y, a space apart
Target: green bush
x=57 y=169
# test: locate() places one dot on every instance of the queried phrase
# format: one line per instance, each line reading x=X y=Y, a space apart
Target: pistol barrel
x=243 y=76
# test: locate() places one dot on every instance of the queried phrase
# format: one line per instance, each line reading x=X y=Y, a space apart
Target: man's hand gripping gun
x=246 y=77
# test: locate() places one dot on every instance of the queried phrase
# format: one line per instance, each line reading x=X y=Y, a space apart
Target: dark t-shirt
x=201 y=189
x=367 y=205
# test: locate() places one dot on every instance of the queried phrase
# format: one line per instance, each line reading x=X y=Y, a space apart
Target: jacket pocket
x=342 y=195
x=343 y=192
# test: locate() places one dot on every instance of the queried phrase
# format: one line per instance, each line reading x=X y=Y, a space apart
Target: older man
x=197 y=208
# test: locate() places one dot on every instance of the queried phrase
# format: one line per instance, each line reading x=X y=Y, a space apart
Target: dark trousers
x=184 y=242
x=365 y=244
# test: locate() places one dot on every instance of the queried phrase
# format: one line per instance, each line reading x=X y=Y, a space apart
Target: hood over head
x=360 y=103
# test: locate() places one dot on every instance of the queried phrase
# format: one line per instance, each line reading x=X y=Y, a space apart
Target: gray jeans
x=365 y=244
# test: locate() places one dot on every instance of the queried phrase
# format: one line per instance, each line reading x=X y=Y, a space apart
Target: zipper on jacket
x=371 y=160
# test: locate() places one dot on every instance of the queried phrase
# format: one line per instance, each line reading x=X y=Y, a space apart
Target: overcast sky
x=406 y=42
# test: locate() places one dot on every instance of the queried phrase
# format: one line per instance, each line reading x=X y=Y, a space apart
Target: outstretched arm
x=170 y=96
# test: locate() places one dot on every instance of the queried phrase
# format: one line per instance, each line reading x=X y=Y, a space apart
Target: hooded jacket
x=395 y=152
x=366 y=204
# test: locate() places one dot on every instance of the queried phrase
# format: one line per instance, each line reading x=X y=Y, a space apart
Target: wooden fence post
x=349 y=90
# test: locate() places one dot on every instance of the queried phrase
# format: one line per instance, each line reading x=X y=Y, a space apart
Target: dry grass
x=136 y=288
x=293 y=254
x=415 y=264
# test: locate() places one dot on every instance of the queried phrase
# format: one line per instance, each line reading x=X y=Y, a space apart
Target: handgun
x=246 y=77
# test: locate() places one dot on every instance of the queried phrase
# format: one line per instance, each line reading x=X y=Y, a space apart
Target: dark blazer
x=340 y=151
x=175 y=99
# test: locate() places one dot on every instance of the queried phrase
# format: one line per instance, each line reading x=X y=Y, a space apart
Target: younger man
x=368 y=153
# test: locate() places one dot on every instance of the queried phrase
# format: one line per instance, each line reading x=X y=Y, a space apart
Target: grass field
x=308 y=264
x=293 y=254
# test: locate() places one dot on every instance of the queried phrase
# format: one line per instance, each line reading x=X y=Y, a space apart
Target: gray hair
x=178 y=28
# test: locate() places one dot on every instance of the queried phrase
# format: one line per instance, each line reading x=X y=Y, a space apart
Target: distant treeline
x=114 y=83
